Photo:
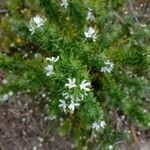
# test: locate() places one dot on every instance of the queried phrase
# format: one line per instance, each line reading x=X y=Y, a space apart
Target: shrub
x=89 y=60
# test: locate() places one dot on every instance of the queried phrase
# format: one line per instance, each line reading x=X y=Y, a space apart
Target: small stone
x=24 y=133
x=23 y=119
x=30 y=111
x=26 y=105
x=34 y=148
x=138 y=133
x=52 y=139
x=129 y=131
x=40 y=145
x=45 y=118
x=41 y=140
x=141 y=5
x=42 y=115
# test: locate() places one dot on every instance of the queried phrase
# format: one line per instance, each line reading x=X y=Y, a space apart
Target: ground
x=24 y=127
x=21 y=128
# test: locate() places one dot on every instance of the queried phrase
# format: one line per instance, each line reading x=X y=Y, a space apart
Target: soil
x=21 y=128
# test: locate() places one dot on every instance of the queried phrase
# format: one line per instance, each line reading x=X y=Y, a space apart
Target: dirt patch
x=23 y=129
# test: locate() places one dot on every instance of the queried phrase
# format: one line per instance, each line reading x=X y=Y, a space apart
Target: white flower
x=84 y=85
x=71 y=83
x=73 y=105
x=49 y=70
x=98 y=125
x=102 y=124
x=53 y=59
x=108 y=68
x=64 y=3
x=90 y=16
x=90 y=33
x=63 y=105
x=35 y=23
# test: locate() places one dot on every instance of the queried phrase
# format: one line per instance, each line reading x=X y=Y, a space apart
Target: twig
x=133 y=12
x=133 y=134
x=17 y=114
x=119 y=17
x=3 y=11
x=120 y=142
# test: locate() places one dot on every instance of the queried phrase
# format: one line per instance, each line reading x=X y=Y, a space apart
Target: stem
x=133 y=12
x=118 y=16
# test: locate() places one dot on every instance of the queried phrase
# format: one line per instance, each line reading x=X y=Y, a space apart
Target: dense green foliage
x=122 y=90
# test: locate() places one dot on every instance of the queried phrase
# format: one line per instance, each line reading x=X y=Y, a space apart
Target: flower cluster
x=71 y=100
x=108 y=67
x=98 y=125
x=64 y=3
x=90 y=33
x=49 y=69
x=83 y=86
x=36 y=22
